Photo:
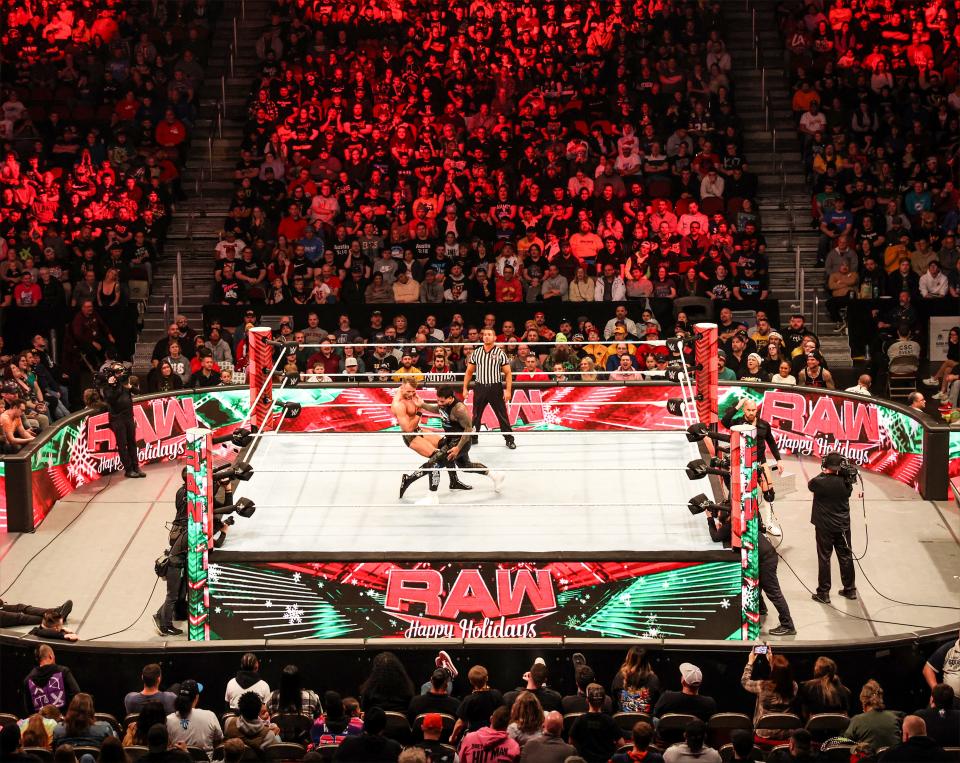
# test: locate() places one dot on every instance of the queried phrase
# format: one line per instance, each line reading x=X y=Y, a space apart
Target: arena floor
x=564 y=492
x=98 y=546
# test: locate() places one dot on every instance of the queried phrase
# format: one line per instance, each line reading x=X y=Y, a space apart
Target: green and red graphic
x=199 y=485
x=744 y=502
x=707 y=373
x=487 y=600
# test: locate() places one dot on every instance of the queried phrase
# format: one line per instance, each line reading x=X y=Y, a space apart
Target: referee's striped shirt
x=488 y=365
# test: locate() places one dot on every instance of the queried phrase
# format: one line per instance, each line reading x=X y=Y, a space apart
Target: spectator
x=291 y=698
x=916 y=747
x=536 y=684
x=157 y=742
x=549 y=746
x=151 y=677
x=942 y=717
x=825 y=692
x=247 y=678
x=80 y=726
x=635 y=688
x=48 y=683
x=933 y=283
x=150 y=714
x=783 y=375
x=10 y=746
x=693 y=747
x=688 y=700
x=875 y=726
x=248 y=726
x=436 y=751
x=190 y=724
x=491 y=742
x=526 y=719
x=436 y=700
x=799 y=749
x=814 y=375
x=641 y=736
x=943 y=666
x=370 y=746
x=334 y=724
x=577 y=703
x=595 y=734
x=479 y=705
x=776 y=694
x=862 y=387
x=388 y=686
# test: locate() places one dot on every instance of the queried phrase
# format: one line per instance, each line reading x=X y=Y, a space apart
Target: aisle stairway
x=207 y=177
x=773 y=152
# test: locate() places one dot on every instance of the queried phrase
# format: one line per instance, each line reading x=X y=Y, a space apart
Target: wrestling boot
x=456 y=484
x=406 y=481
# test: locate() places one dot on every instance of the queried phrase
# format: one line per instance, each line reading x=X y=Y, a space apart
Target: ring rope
x=468 y=343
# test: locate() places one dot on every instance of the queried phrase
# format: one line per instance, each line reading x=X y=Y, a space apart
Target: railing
x=801 y=285
x=176 y=295
x=179 y=272
x=816 y=313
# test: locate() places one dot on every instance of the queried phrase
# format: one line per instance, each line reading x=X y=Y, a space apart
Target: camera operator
x=747 y=407
x=718 y=523
x=115 y=389
x=831 y=517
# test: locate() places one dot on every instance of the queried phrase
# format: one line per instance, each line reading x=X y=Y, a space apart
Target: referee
x=491 y=367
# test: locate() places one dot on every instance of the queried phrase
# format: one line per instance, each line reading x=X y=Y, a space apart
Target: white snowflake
x=319 y=584
x=652 y=632
x=268 y=603
x=293 y=614
x=213 y=574
x=725 y=603
x=666 y=585
x=217 y=610
x=551 y=415
x=82 y=467
x=296 y=577
x=652 y=618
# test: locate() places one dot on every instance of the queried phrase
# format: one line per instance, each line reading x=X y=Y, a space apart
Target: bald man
x=862 y=387
x=917 y=747
x=549 y=748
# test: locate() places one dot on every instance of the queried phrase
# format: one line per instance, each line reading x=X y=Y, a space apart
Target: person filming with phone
x=831 y=519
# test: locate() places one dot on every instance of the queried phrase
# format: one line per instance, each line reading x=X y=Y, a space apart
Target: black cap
x=832 y=461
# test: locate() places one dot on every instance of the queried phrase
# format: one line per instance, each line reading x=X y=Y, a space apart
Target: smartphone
x=760 y=649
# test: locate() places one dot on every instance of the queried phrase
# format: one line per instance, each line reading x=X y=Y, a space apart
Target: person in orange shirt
x=803 y=97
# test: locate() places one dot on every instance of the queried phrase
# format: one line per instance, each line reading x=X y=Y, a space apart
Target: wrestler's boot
x=475 y=466
x=455 y=483
x=425 y=468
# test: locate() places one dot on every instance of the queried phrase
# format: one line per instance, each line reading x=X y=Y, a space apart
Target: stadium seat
x=570 y=718
x=112 y=720
x=135 y=752
x=726 y=753
x=626 y=721
x=397 y=727
x=293 y=727
x=779 y=722
x=286 y=751
x=822 y=726
x=6 y=719
x=46 y=756
x=720 y=726
x=671 y=726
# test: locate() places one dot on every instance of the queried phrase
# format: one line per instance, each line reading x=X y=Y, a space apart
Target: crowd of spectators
x=877 y=102
x=636 y=716
x=623 y=348
x=517 y=153
x=97 y=100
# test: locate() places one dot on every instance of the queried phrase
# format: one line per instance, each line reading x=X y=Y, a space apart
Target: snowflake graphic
x=725 y=603
x=213 y=574
x=551 y=416
x=666 y=584
x=625 y=598
x=751 y=598
x=217 y=610
x=268 y=603
x=652 y=618
x=652 y=632
x=293 y=614
x=296 y=577
x=319 y=584
x=82 y=467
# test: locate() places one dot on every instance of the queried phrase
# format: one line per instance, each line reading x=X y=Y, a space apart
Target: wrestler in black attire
x=456 y=419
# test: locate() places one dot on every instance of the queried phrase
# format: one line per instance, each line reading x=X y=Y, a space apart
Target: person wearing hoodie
x=917 y=747
x=48 y=683
x=247 y=679
x=491 y=744
x=249 y=727
x=370 y=746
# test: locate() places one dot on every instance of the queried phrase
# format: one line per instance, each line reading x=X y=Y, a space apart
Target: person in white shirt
x=247 y=679
x=712 y=185
x=783 y=375
x=862 y=387
x=620 y=316
x=933 y=283
x=190 y=724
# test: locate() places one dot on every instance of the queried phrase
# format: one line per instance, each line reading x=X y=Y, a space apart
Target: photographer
x=831 y=517
x=747 y=408
x=718 y=523
x=115 y=389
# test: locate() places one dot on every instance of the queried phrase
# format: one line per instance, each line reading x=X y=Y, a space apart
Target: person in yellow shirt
x=596 y=349
x=408 y=370
x=895 y=252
